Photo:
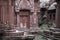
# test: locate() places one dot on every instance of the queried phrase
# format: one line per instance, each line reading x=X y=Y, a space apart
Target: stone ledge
x=48 y=34
x=23 y=37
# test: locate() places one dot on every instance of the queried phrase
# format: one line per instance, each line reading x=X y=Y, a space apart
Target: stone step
x=47 y=34
x=23 y=37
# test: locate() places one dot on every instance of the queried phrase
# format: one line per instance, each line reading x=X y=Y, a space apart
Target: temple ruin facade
x=19 y=13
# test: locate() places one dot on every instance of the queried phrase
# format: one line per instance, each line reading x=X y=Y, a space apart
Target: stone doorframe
x=23 y=15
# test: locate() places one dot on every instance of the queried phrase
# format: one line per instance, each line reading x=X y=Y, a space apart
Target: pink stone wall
x=8 y=13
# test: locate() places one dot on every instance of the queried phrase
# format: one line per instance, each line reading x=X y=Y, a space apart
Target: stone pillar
x=11 y=13
x=58 y=15
x=18 y=20
x=31 y=19
x=56 y=30
x=35 y=19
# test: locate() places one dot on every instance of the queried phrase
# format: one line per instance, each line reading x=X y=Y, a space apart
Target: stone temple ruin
x=19 y=19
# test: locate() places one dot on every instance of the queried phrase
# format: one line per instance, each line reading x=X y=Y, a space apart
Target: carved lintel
x=21 y=4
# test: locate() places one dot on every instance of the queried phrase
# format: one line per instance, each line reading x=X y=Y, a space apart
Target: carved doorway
x=24 y=19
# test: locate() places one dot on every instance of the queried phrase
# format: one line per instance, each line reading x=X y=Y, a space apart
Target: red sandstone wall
x=7 y=12
x=4 y=11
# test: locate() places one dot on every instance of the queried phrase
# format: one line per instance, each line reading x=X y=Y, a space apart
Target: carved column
x=1 y=12
x=35 y=19
x=36 y=11
x=18 y=20
x=31 y=20
x=4 y=11
x=11 y=13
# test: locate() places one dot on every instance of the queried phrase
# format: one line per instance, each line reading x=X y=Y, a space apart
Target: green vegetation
x=44 y=27
x=39 y=37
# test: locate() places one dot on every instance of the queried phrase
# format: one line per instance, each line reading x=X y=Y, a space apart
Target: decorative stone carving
x=32 y=5
x=17 y=5
x=24 y=4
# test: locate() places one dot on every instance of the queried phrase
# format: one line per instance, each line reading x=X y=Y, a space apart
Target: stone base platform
x=23 y=37
x=53 y=34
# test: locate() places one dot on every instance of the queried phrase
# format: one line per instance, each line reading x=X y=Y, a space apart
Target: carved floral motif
x=24 y=4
